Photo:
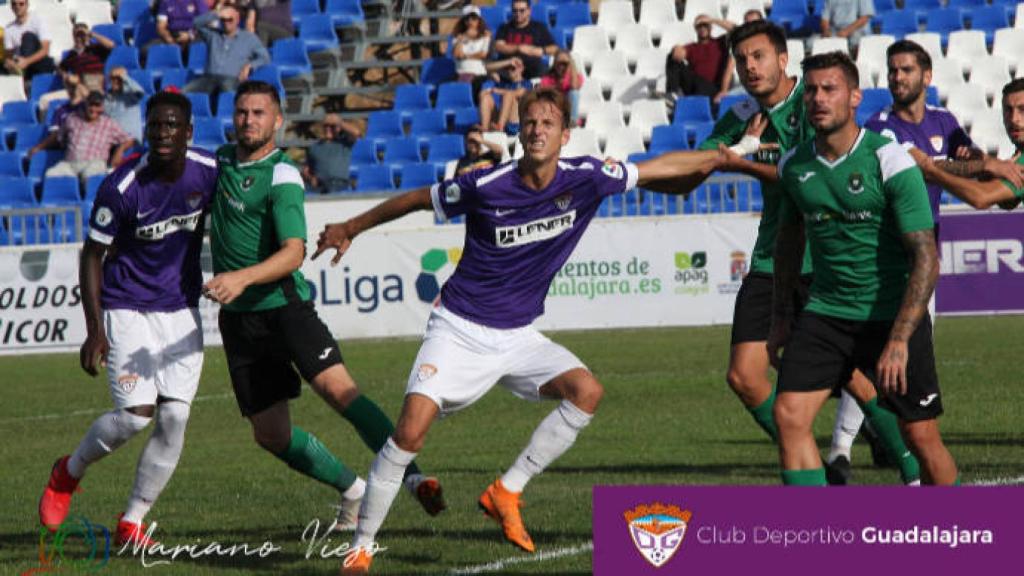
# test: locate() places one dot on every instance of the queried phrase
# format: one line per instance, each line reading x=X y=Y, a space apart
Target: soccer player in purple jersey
x=523 y=220
x=140 y=279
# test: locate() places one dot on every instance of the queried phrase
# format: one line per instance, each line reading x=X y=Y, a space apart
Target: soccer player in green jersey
x=267 y=320
x=983 y=194
x=862 y=204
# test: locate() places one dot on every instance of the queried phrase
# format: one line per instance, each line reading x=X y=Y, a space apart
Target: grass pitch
x=667 y=418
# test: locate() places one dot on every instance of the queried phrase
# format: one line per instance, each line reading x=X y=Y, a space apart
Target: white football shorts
x=153 y=354
x=460 y=360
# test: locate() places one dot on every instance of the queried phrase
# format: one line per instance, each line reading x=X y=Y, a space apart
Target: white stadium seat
x=658 y=15
x=1009 y=43
x=991 y=73
x=987 y=131
x=695 y=8
x=628 y=90
x=795 y=49
x=501 y=139
x=945 y=75
x=609 y=67
x=582 y=142
x=613 y=15
x=590 y=96
x=646 y=114
x=966 y=102
x=627 y=141
x=677 y=33
x=92 y=12
x=12 y=88
x=930 y=41
x=832 y=44
x=650 y=64
x=605 y=119
x=871 y=57
x=735 y=9
x=966 y=47
x=588 y=41
x=632 y=39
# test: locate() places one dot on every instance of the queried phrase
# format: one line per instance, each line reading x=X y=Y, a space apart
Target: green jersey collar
x=799 y=82
x=256 y=161
x=838 y=161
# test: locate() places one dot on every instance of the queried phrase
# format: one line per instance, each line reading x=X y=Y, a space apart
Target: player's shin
x=885 y=424
x=107 y=433
x=373 y=426
x=762 y=414
x=383 y=483
x=307 y=455
x=849 y=418
x=158 y=459
x=552 y=438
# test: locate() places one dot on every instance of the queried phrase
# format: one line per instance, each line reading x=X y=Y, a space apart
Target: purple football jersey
x=939 y=135
x=518 y=238
x=155 y=230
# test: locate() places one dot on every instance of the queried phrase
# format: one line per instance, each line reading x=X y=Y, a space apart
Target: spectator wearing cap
x=175 y=19
x=327 y=160
x=123 y=101
x=526 y=39
x=26 y=43
x=704 y=67
x=472 y=44
x=87 y=136
x=233 y=52
x=480 y=153
x=269 y=20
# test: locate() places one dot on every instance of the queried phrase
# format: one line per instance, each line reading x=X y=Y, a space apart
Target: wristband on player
x=747 y=145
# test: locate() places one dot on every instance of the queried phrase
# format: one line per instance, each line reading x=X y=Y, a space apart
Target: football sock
x=762 y=414
x=307 y=455
x=815 y=477
x=373 y=426
x=849 y=417
x=356 y=490
x=885 y=425
x=107 y=433
x=382 y=485
x=555 y=434
x=158 y=459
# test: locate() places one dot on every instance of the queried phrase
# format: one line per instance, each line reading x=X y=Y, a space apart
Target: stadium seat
x=12 y=88
x=289 y=55
x=874 y=99
x=701 y=131
x=502 y=140
x=113 y=31
x=647 y=114
x=18 y=112
x=588 y=42
x=609 y=67
x=572 y=15
x=11 y=165
x=613 y=15
x=898 y=23
x=695 y=8
x=405 y=150
x=988 y=19
x=411 y=99
x=144 y=79
x=162 y=56
x=374 y=177
x=692 y=109
x=605 y=120
x=589 y=97
x=668 y=138
x=445 y=147
x=945 y=75
x=41 y=162
x=27 y=136
x=987 y=131
x=991 y=73
x=965 y=3
x=144 y=30
x=127 y=56
x=418 y=175
x=197 y=54
x=436 y=71
x=208 y=133
x=930 y=41
x=967 y=101
x=736 y=9
x=582 y=142
x=454 y=95
x=303 y=8
x=650 y=65
x=495 y=16
x=1009 y=43
x=226 y=109
x=871 y=54
x=795 y=49
x=967 y=47
x=270 y=74
x=60 y=190
x=677 y=33
x=92 y=186
x=129 y=11
x=200 y=104
x=317 y=32
x=175 y=77
x=628 y=91
x=43 y=84
x=628 y=140
x=633 y=38
x=384 y=124
x=364 y=152
x=830 y=44
x=345 y=12
x=428 y=123
x=464 y=118
x=793 y=17
x=942 y=21
x=728 y=102
x=16 y=192
x=658 y=15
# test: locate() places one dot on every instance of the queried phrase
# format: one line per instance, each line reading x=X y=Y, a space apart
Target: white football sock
x=356 y=490
x=849 y=417
x=555 y=434
x=158 y=459
x=107 y=433
x=382 y=485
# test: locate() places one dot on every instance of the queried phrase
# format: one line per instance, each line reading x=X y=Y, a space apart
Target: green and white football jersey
x=258 y=205
x=787 y=127
x=1018 y=192
x=855 y=211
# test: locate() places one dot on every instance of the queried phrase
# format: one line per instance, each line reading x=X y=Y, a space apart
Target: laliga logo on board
x=657 y=530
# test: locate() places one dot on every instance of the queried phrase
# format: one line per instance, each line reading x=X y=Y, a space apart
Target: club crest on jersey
x=194 y=199
x=127 y=382
x=426 y=372
x=657 y=530
x=855 y=184
x=247 y=182
x=104 y=216
x=936 y=142
x=612 y=170
x=452 y=193
x=562 y=202
x=791 y=120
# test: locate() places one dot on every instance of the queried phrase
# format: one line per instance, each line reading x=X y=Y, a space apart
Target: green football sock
x=373 y=426
x=307 y=455
x=884 y=423
x=762 y=414
x=814 y=477
x=956 y=482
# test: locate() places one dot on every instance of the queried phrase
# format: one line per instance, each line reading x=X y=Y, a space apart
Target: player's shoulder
x=201 y=156
x=742 y=111
x=891 y=156
x=286 y=172
x=490 y=177
x=124 y=176
x=940 y=113
x=796 y=155
x=880 y=119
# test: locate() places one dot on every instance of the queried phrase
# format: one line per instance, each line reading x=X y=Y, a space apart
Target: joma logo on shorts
x=535 y=231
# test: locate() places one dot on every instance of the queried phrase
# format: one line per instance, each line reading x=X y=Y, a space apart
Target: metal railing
x=41 y=225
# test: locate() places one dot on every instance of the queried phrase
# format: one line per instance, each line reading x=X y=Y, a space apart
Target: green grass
x=668 y=418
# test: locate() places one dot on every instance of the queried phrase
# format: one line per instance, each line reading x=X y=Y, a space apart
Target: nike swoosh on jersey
x=141 y=215
x=500 y=212
x=805 y=177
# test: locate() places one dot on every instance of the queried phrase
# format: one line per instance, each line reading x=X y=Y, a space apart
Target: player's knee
x=173 y=416
x=922 y=437
x=144 y=410
x=131 y=423
x=271 y=440
x=585 y=393
x=788 y=414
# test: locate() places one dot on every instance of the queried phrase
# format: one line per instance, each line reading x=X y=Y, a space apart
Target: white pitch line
x=499 y=565
x=89 y=411
x=1005 y=481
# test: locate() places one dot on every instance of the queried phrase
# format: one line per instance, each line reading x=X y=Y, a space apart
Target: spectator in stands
x=327 y=160
x=504 y=96
x=480 y=153
x=269 y=20
x=564 y=77
x=87 y=57
x=26 y=43
x=175 y=20
x=526 y=39
x=233 y=52
x=847 y=19
x=87 y=136
x=472 y=45
x=123 y=101
x=752 y=14
x=703 y=67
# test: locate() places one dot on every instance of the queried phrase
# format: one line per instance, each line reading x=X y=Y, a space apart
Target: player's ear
x=188 y=135
x=278 y=120
x=783 y=61
x=565 y=134
x=855 y=97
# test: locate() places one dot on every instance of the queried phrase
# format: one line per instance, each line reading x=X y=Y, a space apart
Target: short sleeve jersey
x=855 y=211
x=1018 y=192
x=155 y=229
x=938 y=135
x=518 y=238
x=258 y=205
x=787 y=127
x=533 y=34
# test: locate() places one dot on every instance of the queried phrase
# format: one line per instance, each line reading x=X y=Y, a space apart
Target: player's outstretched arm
x=924 y=272
x=93 y=352
x=788 y=258
x=227 y=286
x=979 y=194
x=678 y=172
x=339 y=236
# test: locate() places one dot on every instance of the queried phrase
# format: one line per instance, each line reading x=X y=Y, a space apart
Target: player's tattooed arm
x=979 y=194
x=924 y=272
x=788 y=258
x=340 y=235
x=93 y=352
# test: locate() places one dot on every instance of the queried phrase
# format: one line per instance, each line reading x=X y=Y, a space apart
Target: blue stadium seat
x=200 y=104
x=436 y=71
x=144 y=29
x=667 y=138
x=965 y=3
x=226 y=110
x=944 y=20
x=418 y=175
x=44 y=84
x=16 y=192
x=495 y=16
x=301 y=8
x=572 y=15
x=145 y=79
x=932 y=96
x=92 y=185
x=19 y=112
x=162 y=56
x=792 y=16
x=51 y=110
x=289 y=55
x=411 y=99
x=208 y=133
x=384 y=124
x=60 y=190
x=922 y=6
x=375 y=177
x=729 y=101
x=364 y=152
x=899 y=23
x=446 y=147
x=197 y=54
x=175 y=77
x=542 y=12
x=27 y=136
x=11 y=164
x=127 y=56
x=454 y=95
x=317 y=32
x=404 y=150
x=874 y=99
x=345 y=12
x=41 y=162
x=989 y=19
x=428 y=123
x=691 y=111
x=464 y=118
x=271 y=75
x=701 y=131
x=113 y=32
x=129 y=12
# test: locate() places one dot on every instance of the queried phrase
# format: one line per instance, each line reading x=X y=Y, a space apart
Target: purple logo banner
x=698 y=530
x=982 y=255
